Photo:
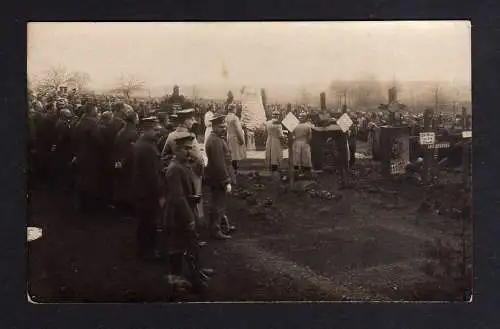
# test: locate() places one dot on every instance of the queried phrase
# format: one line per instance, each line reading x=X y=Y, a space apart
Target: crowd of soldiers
x=144 y=161
x=148 y=168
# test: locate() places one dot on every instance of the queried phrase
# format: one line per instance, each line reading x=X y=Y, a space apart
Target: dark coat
x=116 y=125
x=87 y=154
x=123 y=153
x=63 y=144
x=147 y=180
x=218 y=172
x=179 y=213
x=106 y=161
x=45 y=134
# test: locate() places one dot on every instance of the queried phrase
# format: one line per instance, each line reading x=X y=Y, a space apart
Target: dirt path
x=365 y=246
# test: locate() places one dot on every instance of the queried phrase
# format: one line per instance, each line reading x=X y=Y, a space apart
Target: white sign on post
x=290 y=122
x=467 y=134
x=428 y=138
x=344 y=122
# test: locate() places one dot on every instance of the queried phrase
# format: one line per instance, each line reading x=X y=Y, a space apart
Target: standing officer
x=274 y=148
x=62 y=148
x=219 y=177
x=179 y=216
x=106 y=140
x=123 y=154
x=147 y=186
x=165 y=131
x=235 y=137
x=185 y=121
x=87 y=151
x=301 y=145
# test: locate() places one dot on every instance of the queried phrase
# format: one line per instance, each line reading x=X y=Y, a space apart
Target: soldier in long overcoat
x=45 y=122
x=62 y=148
x=179 y=217
x=86 y=152
x=235 y=136
x=147 y=186
x=274 y=149
x=301 y=145
x=106 y=143
x=123 y=158
x=219 y=177
x=184 y=121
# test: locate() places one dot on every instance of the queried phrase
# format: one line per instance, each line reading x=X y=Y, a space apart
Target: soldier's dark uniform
x=63 y=149
x=218 y=175
x=117 y=123
x=86 y=152
x=179 y=216
x=45 y=137
x=106 y=141
x=147 y=187
x=123 y=158
x=164 y=131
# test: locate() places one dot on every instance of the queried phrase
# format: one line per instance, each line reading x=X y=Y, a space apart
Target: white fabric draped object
x=253 y=114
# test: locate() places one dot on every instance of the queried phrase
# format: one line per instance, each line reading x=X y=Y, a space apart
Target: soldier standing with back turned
x=147 y=186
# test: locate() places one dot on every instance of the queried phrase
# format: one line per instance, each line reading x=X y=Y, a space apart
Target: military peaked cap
x=217 y=120
x=185 y=112
x=150 y=122
x=183 y=137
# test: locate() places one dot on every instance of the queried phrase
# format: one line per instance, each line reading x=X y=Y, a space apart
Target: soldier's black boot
x=220 y=236
x=227 y=228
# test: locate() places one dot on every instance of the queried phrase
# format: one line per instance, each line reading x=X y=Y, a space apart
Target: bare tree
x=56 y=77
x=80 y=80
x=127 y=85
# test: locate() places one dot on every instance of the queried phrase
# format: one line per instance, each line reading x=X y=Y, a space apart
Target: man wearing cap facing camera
x=219 y=177
x=185 y=121
x=179 y=220
x=147 y=186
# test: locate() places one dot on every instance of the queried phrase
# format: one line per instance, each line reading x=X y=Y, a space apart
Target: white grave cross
x=344 y=122
x=290 y=122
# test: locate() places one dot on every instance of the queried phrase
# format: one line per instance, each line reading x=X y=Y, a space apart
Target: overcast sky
x=253 y=53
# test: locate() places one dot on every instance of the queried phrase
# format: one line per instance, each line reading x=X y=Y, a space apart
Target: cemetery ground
x=372 y=240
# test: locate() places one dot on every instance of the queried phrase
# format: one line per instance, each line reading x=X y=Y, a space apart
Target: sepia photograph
x=249 y=162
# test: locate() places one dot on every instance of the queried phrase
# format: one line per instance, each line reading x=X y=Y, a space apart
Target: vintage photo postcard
x=249 y=162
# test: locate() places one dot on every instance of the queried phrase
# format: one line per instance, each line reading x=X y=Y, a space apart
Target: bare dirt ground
x=375 y=240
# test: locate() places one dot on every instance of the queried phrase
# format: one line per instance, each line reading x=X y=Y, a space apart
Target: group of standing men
x=152 y=169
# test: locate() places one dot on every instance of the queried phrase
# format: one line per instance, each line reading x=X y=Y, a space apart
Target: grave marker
x=427 y=138
x=344 y=122
x=467 y=134
x=290 y=122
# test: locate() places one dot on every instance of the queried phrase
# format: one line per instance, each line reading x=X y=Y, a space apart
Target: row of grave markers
x=426 y=139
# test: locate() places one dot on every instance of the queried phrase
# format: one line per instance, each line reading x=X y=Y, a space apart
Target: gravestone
x=394 y=149
x=328 y=147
